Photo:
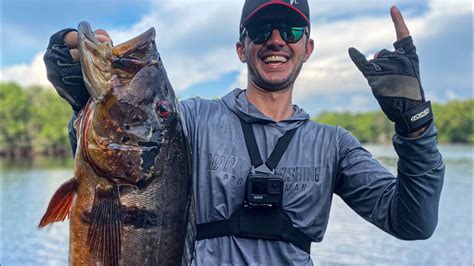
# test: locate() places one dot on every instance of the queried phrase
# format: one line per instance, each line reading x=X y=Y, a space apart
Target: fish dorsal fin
x=60 y=204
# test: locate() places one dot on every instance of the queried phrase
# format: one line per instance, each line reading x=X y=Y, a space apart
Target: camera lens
x=275 y=186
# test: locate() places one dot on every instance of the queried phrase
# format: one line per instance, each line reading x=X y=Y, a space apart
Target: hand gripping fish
x=131 y=201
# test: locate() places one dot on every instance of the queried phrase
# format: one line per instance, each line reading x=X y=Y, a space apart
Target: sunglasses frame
x=274 y=25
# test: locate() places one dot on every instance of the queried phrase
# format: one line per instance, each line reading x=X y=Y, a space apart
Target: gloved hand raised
x=64 y=69
x=395 y=80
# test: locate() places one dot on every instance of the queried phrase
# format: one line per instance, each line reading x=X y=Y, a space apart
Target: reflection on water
x=25 y=194
x=350 y=240
x=27 y=187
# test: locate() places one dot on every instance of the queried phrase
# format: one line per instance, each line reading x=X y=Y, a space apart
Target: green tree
x=16 y=110
x=49 y=120
x=454 y=121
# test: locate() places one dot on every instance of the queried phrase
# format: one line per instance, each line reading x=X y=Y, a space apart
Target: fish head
x=133 y=121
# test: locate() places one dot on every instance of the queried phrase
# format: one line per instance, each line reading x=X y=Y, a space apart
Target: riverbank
x=35 y=119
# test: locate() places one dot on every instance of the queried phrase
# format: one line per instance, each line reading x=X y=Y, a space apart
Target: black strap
x=280 y=148
x=251 y=143
x=418 y=116
x=258 y=223
x=277 y=152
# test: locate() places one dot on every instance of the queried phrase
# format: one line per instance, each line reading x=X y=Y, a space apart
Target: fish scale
x=132 y=201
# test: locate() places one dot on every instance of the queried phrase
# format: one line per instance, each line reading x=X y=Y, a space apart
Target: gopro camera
x=263 y=190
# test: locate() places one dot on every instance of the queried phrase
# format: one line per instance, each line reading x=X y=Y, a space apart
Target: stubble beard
x=272 y=85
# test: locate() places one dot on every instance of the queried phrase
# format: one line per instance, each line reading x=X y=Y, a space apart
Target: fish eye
x=163 y=108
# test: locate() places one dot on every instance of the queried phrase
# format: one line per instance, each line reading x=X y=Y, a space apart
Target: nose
x=275 y=39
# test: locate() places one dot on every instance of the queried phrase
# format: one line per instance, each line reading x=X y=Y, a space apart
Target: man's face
x=274 y=64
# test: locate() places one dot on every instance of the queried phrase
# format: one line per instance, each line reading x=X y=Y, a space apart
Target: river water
x=26 y=189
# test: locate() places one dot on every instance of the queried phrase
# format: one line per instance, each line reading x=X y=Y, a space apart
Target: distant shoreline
x=35 y=121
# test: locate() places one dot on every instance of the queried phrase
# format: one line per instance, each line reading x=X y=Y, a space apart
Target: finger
x=75 y=55
x=400 y=27
x=71 y=39
x=358 y=58
x=102 y=36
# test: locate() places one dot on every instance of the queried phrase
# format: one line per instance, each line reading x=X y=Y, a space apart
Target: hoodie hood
x=238 y=103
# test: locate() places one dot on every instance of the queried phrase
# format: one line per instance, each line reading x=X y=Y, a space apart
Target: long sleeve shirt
x=319 y=162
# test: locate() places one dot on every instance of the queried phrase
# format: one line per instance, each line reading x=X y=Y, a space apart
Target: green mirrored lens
x=296 y=34
x=260 y=33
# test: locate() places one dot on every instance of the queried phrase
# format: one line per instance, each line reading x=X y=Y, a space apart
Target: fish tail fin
x=105 y=233
x=60 y=204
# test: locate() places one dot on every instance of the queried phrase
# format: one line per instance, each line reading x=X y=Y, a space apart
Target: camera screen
x=259 y=187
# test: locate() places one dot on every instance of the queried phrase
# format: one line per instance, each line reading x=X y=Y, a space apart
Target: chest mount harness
x=261 y=215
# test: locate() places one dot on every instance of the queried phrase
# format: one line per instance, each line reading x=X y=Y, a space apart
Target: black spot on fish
x=140 y=218
x=125 y=139
x=151 y=144
x=149 y=154
x=142 y=183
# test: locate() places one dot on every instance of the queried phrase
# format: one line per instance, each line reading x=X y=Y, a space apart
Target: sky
x=196 y=40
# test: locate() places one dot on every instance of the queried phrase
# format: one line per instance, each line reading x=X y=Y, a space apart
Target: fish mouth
x=133 y=55
x=95 y=58
x=100 y=61
x=135 y=44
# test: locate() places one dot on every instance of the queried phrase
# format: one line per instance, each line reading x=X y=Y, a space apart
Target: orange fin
x=105 y=232
x=60 y=203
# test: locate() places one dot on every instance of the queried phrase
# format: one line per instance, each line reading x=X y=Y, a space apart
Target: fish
x=130 y=201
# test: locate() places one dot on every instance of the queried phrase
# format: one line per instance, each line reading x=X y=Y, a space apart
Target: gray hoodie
x=321 y=160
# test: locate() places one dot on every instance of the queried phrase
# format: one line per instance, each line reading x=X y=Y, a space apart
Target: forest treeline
x=454 y=121
x=34 y=121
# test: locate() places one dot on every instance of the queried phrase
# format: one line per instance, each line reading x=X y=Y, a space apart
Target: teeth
x=275 y=59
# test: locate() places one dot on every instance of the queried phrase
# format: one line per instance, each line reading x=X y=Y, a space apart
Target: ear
x=239 y=47
x=309 y=49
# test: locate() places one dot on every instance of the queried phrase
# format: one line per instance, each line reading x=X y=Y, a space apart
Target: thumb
x=358 y=58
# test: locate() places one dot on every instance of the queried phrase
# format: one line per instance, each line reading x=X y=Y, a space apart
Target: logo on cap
x=293 y=2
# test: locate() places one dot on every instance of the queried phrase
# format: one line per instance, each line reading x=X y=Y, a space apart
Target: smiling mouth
x=275 y=59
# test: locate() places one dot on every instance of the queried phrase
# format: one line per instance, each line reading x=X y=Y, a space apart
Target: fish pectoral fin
x=105 y=232
x=60 y=204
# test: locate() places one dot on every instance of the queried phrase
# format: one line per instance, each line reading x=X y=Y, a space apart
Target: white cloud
x=197 y=42
x=330 y=68
x=195 y=39
x=357 y=103
x=451 y=95
x=241 y=80
x=27 y=74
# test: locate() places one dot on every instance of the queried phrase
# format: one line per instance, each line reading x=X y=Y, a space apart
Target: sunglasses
x=261 y=32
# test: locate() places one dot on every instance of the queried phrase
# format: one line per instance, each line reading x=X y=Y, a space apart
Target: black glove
x=395 y=81
x=63 y=73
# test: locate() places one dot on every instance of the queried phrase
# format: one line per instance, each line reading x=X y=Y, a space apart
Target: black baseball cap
x=253 y=7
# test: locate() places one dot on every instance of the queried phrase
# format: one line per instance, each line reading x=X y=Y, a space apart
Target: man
x=320 y=160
